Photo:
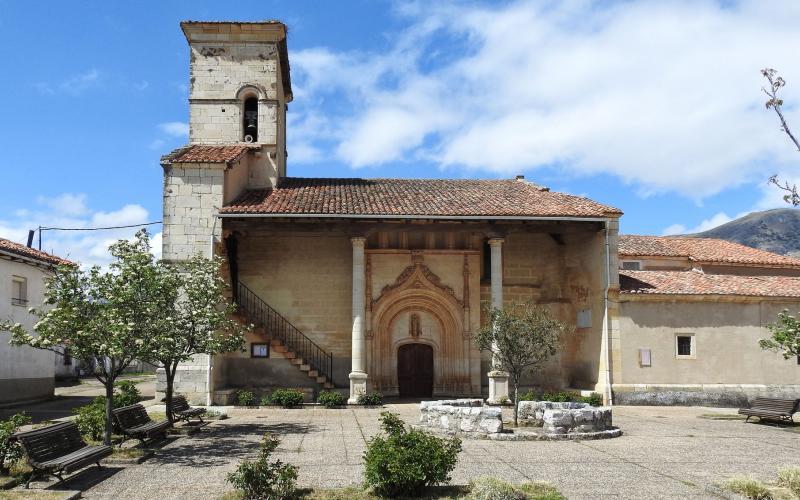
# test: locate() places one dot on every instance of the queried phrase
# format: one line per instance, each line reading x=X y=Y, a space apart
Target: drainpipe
x=209 y=365
x=606 y=330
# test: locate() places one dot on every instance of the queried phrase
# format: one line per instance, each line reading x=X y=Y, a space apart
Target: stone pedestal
x=358 y=386
x=498 y=387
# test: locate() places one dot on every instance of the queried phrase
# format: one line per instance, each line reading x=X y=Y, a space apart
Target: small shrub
x=371 y=399
x=91 y=419
x=750 y=488
x=262 y=479
x=529 y=396
x=265 y=401
x=330 y=399
x=288 y=398
x=593 y=399
x=10 y=452
x=245 y=398
x=405 y=462
x=790 y=478
x=128 y=394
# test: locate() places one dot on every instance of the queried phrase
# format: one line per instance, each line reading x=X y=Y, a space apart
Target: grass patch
x=128 y=452
x=789 y=478
x=31 y=495
x=541 y=491
x=750 y=488
x=721 y=416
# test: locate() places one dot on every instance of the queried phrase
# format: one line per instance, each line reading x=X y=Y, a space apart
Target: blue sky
x=653 y=107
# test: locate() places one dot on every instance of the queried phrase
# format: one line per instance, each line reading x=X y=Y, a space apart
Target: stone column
x=498 y=380
x=358 y=374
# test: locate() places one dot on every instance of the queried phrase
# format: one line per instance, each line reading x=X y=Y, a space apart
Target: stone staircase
x=284 y=338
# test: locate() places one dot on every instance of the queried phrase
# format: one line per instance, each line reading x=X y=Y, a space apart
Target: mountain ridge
x=776 y=230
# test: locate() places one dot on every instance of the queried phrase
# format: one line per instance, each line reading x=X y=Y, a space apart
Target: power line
x=96 y=228
x=40 y=229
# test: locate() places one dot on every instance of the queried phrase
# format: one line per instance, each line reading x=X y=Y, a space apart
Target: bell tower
x=239 y=85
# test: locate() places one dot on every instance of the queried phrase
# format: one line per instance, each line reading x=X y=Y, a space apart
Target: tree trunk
x=109 y=383
x=169 y=371
x=516 y=401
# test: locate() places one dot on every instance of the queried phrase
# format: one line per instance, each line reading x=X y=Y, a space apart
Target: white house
x=26 y=374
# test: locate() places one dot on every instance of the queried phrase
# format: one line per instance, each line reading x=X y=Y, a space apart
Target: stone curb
x=525 y=436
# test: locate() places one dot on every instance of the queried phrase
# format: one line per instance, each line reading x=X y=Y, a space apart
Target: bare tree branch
x=776 y=82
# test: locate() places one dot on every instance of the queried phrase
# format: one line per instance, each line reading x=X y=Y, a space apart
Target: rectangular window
x=67 y=358
x=259 y=350
x=19 y=291
x=645 y=358
x=631 y=265
x=684 y=346
x=584 y=319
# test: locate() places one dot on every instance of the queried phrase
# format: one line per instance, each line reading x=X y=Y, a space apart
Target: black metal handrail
x=262 y=315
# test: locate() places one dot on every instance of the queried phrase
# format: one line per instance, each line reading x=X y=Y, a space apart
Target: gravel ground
x=665 y=452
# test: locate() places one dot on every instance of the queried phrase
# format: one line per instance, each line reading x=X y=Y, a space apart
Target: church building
x=379 y=285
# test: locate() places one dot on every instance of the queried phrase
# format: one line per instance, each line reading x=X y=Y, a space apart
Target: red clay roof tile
x=707 y=250
x=697 y=283
x=9 y=247
x=415 y=197
x=203 y=153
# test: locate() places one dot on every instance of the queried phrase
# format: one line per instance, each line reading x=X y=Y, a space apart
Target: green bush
x=330 y=399
x=371 y=399
x=265 y=401
x=245 y=398
x=405 y=462
x=490 y=488
x=288 y=398
x=91 y=419
x=10 y=451
x=593 y=399
x=262 y=479
x=128 y=394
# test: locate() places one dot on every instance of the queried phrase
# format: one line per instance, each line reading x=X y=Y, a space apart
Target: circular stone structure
x=538 y=421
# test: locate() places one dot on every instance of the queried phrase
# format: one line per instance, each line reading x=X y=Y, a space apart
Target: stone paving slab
x=664 y=453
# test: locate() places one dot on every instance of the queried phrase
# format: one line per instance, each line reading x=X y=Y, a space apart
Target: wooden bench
x=57 y=450
x=771 y=409
x=180 y=410
x=133 y=421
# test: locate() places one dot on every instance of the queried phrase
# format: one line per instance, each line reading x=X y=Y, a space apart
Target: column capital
x=358 y=241
x=496 y=242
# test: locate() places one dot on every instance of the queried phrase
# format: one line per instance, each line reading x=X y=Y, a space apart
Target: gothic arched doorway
x=415 y=370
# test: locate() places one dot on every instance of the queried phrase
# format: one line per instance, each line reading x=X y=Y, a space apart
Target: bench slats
x=774 y=408
x=134 y=421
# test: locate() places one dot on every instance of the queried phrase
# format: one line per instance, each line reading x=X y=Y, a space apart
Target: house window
x=584 y=319
x=19 y=291
x=645 y=358
x=631 y=265
x=684 y=346
x=67 y=358
x=259 y=350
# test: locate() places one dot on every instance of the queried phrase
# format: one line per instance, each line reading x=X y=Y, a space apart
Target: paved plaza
x=665 y=452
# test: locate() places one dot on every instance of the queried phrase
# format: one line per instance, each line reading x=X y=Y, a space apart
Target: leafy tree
x=195 y=317
x=785 y=335
x=521 y=337
x=776 y=82
x=105 y=319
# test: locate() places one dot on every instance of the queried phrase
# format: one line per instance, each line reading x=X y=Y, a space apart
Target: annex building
x=368 y=285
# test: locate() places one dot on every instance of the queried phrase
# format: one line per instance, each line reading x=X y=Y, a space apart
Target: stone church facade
x=363 y=285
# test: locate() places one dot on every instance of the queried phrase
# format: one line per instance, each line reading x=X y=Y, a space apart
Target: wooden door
x=415 y=370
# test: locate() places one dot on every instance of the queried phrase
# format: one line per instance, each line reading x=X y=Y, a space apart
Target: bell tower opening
x=250 y=125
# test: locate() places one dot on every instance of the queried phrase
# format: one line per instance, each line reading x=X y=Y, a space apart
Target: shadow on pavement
x=86 y=478
x=58 y=407
x=222 y=445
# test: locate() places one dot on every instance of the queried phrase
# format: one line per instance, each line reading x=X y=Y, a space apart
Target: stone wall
x=564 y=418
x=461 y=416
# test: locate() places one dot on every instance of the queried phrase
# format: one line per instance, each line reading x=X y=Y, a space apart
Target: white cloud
x=663 y=95
x=175 y=129
x=717 y=220
x=75 y=84
x=71 y=211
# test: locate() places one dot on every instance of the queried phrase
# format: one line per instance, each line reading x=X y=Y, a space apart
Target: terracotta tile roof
x=415 y=197
x=697 y=283
x=15 y=249
x=203 y=153
x=707 y=250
